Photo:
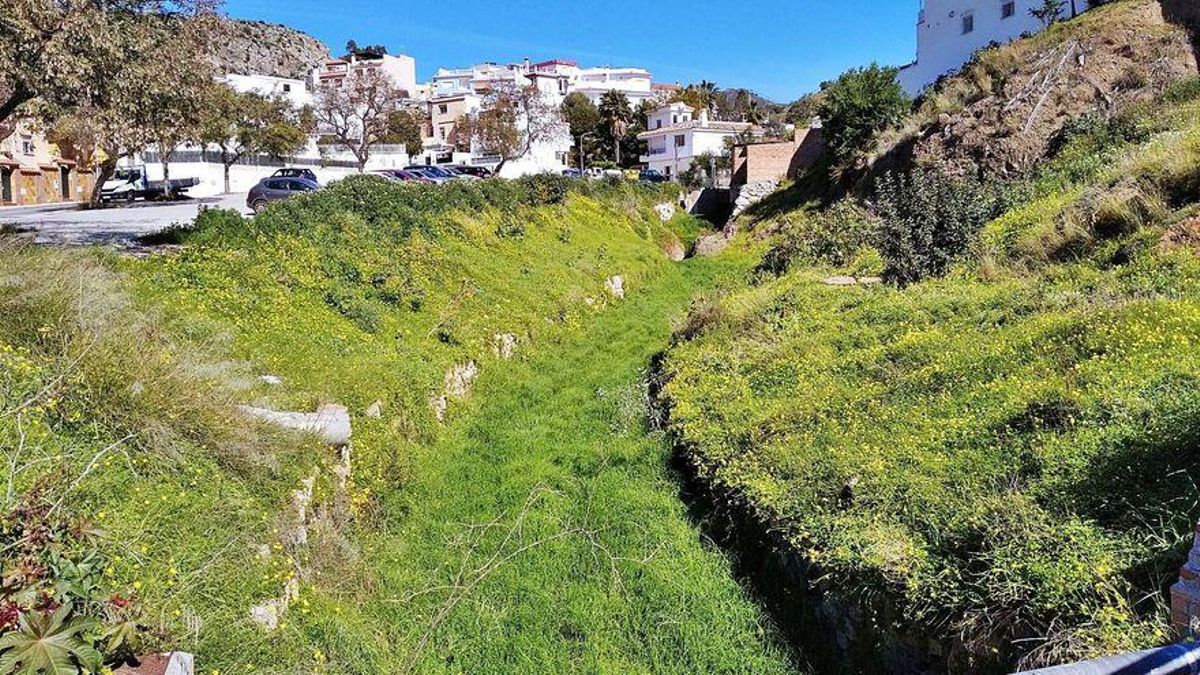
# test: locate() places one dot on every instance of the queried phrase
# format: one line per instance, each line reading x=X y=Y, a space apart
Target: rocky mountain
x=264 y=48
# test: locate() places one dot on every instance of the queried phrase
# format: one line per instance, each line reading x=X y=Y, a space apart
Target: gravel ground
x=117 y=226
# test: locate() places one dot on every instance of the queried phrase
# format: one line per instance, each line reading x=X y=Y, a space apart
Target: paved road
x=118 y=226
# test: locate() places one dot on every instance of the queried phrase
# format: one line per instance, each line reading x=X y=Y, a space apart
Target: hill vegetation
x=994 y=454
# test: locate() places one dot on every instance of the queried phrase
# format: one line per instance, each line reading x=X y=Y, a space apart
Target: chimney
x=527 y=64
x=703 y=117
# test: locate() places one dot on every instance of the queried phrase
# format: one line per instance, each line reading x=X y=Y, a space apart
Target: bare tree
x=356 y=112
x=513 y=120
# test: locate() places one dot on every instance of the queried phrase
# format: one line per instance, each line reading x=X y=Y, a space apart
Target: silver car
x=275 y=189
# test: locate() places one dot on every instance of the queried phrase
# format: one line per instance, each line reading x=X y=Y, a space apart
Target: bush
x=1183 y=91
x=928 y=219
x=858 y=105
x=544 y=189
x=833 y=237
x=1097 y=132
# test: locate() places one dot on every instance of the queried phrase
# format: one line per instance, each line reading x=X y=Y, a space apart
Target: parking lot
x=119 y=226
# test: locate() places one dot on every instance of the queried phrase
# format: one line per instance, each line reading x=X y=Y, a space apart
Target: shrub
x=860 y=104
x=832 y=237
x=928 y=219
x=1183 y=91
x=1097 y=132
x=545 y=189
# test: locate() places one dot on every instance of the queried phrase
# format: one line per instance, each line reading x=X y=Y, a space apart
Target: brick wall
x=755 y=162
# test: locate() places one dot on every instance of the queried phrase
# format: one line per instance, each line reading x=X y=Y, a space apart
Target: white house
x=949 y=32
x=635 y=83
x=677 y=135
x=295 y=91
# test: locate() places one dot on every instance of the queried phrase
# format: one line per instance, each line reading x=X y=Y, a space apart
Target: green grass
x=538 y=529
x=1002 y=460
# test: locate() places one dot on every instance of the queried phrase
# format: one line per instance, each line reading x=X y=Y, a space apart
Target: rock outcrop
x=259 y=48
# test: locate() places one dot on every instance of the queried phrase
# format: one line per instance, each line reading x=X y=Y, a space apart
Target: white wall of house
x=676 y=137
x=295 y=91
x=949 y=32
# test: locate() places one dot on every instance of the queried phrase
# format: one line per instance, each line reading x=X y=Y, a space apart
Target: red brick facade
x=756 y=162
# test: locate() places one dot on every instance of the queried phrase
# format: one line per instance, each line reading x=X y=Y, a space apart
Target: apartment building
x=949 y=32
x=400 y=69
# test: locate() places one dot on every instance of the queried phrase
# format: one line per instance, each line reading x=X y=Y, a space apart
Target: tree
x=355 y=113
x=861 y=103
x=73 y=55
x=616 y=115
x=131 y=91
x=513 y=120
x=702 y=96
x=1048 y=12
x=406 y=127
x=581 y=115
x=240 y=124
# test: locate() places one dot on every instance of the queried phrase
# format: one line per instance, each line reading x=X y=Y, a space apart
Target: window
x=443 y=109
x=298 y=186
x=27 y=144
x=657 y=124
x=968 y=23
x=674 y=119
x=277 y=185
x=1009 y=10
x=287 y=88
x=680 y=141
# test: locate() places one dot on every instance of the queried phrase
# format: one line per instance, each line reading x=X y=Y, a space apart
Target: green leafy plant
x=928 y=219
x=50 y=643
x=857 y=106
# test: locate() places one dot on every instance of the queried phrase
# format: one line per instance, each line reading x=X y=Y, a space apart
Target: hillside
x=260 y=48
x=986 y=465
x=1003 y=112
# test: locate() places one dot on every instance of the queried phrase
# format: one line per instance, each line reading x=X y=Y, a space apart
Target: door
x=64 y=180
x=6 y=188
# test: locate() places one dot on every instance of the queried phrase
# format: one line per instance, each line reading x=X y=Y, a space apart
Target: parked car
x=274 y=189
x=652 y=176
x=467 y=169
x=131 y=183
x=401 y=175
x=430 y=174
x=296 y=172
x=572 y=173
x=449 y=173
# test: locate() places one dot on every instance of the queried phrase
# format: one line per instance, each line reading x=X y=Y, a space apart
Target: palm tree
x=615 y=116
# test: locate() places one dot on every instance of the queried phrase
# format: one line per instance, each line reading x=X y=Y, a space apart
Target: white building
x=400 y=69
x=635 y=83
x=677 y=135
x=949 y=32
x=296 y=92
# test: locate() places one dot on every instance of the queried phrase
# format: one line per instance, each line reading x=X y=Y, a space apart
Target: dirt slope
x=1001 y=112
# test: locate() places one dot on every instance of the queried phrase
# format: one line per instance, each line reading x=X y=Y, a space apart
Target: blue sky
x=780 y=49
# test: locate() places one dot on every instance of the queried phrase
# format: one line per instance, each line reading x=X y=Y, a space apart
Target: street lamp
x=581 y=137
